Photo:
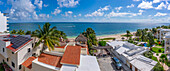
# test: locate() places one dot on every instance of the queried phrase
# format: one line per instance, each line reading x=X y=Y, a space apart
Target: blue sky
x=152 y=11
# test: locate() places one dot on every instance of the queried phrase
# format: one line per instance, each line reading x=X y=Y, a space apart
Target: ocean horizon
x=72 y=29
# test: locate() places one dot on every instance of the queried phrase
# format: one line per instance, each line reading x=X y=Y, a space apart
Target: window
x=32 y=45
x=29 y=49
x=12 y=52
x=3 y=50
x=13 y=64
x=3 y=60
x=20 y=66
x=7 y=59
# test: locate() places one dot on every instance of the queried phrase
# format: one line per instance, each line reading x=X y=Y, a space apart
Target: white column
x=165 y=45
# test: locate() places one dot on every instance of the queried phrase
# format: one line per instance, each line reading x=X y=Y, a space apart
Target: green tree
x=47 y=37
x=28 y=33
x=102 y=43
x=144 y=37
x=139 y=32
x=13 y=32
x=158 y=67
x=128 y=34
x=21 y=32
x=151 y=38
x=91 y=37
x=154 y=30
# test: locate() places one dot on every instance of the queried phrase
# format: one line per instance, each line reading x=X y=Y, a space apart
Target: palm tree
x=21 y=32
x=47 y=36
x=13 y=32
x=127 y=33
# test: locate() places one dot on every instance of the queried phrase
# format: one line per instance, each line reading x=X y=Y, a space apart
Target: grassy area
x=108 y=39
x=154 y=58
x=167 y=63
x=126 y=35
x=157 y=50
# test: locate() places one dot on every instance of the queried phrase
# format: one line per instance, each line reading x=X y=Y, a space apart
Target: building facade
x=3 y=22
x=13 y=51
x=161 y=33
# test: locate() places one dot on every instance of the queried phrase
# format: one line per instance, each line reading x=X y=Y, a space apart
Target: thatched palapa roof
x=81 y=38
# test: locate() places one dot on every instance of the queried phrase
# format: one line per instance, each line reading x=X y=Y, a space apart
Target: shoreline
x=117 y=36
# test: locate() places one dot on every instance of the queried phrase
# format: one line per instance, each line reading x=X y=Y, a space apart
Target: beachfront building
x=161 y=33
x=63 y=58
x=131 y=55
x=3 y=22
x=14 y=50
x=167 y=45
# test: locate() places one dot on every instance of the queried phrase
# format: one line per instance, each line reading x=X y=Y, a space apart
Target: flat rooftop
x=71 y=55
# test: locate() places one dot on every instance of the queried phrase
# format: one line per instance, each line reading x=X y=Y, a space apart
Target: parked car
x=117 y=63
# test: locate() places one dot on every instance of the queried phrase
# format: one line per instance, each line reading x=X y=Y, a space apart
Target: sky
x=152 y=11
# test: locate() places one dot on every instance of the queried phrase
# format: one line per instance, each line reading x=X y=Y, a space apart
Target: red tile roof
x=13 y=49
x=60 y=47
x=50 y=59
x=71 y=55
x=28 y=62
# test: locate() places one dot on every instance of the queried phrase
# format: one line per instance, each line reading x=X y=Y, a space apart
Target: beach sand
x=117 y=36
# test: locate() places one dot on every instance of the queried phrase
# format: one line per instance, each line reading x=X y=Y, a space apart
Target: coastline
x=117 y=36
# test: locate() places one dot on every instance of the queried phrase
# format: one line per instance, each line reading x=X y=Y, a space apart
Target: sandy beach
x=117 y=36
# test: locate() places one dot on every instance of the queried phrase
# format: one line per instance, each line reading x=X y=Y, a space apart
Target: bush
x=158 y=67
x=148 y=54
x=102 y=43
x=157 y=54
x=159 y=50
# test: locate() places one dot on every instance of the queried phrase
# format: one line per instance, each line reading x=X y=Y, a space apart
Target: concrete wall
x=38 y=67
x=3 y=23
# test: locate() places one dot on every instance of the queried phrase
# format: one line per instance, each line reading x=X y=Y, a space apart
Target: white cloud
x=118 y=8
x=99 y=12
x=104 y=8
x=44 y=16
x=21 y=10
x=67 y=3
x=160 y=14
x=162 y=5
x=123 y=14
x=1 y=3
x=145 y=5
x=130 y=6
x=96 y=13
x=68 y=14
x=45 y=5
x=168 y=7
x=75 y=16
x=79 y=15
x=56 y=11
x=35 y=16
x=156 y=1
x=38 y=3
x=136 y=0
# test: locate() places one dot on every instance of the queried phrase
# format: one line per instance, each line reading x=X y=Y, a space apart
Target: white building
x=3 y=23
x=131 y=55
x=63 y=58
x=167 y=45
x=161 y=33
x=14 y=50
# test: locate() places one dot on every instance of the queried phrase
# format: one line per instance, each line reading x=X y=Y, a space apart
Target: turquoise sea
x=73 y=29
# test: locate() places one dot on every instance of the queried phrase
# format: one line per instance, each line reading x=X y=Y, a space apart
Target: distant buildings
x=167 y=45
x=161 y=33
x=3 y=23
x=131 y=55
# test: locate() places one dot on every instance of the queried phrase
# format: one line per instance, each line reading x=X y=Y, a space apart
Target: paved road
x=107 y=65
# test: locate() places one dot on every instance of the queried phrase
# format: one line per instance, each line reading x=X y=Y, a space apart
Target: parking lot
x=107 y=65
